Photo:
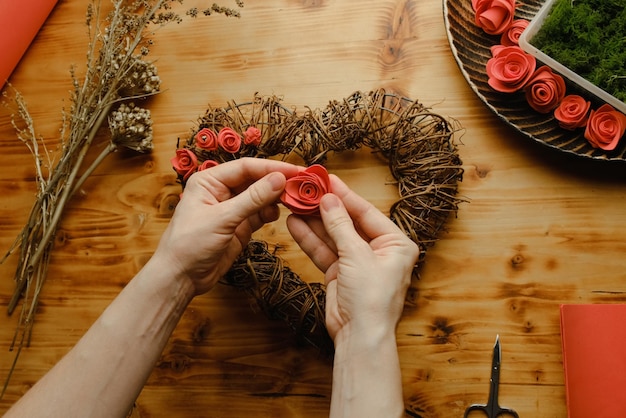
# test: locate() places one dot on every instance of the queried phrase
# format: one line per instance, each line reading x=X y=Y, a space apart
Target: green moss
x=589 y=38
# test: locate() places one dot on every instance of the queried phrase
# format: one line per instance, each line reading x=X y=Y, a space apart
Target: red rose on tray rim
x=229 y=140
x=206 y=139
x=510 y=68
x=303 y=192
x=184 y=162
x=545 y=90
x=605 y=127
x=252 y=136
x=206 y=164
x=572 y=112
x=510 y=36
x=494 y=16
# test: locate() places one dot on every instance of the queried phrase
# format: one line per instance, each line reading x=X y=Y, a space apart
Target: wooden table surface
x=540 y=228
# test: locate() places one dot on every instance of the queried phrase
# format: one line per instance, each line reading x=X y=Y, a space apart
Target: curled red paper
x=303 y=192
x=494 y=16
x=185 y=162
x=545 y=90
x=229 y=140
x=573 y=112
x=252 y=136
x=207 y=164
x=510 y=68
x=605 y=127
x=206 y=139
x=511 y=35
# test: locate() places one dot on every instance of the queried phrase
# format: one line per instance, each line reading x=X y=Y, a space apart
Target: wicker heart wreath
x=416 y=143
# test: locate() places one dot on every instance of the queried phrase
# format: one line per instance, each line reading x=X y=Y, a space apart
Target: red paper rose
x=252 y=136
x=511 y=35
x=494 y=16
x=303 y=192
x=207 y=164
x=572 y=112
x=206 y=139
x=605 y=127
x=229 y=140
x=184 y=162
x=545 y=90
x=510 y=68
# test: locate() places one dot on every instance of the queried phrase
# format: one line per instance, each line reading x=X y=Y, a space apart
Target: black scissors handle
x=492 y=408
x=492 y=411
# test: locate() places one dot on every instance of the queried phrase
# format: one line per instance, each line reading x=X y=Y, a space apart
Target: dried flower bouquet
x=117 y=76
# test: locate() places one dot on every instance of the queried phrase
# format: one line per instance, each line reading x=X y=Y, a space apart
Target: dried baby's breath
x=131 y=127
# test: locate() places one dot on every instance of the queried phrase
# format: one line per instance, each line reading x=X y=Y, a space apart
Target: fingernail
x=329 y=201
x=277 y=181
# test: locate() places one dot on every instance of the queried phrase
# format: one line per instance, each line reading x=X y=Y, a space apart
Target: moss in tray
x=589 y=38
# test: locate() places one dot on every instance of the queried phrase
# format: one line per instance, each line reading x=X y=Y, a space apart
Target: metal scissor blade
x=492 y=408
x=496 y=359
x=494 y=380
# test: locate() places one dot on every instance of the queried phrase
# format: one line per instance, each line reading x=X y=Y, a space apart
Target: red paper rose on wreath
x=510 y=36
x=572 y=112
x=605 y=127
x=206 y=139
x=229 y=140
x=510 y=68
x=252 y=136
x=303 y=192
x=545 y=90
x=494 y=16
x=184 y=162
x=207 y=164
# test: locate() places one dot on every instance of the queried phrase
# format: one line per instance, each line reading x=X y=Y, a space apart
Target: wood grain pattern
x=540 y=228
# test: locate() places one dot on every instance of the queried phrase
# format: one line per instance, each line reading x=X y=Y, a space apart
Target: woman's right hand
x=366 y=258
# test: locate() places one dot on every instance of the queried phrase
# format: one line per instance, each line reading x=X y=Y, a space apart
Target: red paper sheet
x=594 y=359
x=20 y=20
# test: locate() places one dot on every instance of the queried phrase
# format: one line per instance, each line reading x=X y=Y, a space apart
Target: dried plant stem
x=65 y=189
x=25 y=327
x=68 y=187
x=110 y=148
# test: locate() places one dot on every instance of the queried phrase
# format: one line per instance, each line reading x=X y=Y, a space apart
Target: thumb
x=257 y=196
x=338 y=223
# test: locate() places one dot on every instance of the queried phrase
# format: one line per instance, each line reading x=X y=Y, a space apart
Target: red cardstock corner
x=20 y=20
x=594 y=359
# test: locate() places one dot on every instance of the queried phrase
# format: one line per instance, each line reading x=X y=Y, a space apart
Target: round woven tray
x=470 y=47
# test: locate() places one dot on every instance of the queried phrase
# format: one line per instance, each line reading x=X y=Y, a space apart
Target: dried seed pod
x=131 y=127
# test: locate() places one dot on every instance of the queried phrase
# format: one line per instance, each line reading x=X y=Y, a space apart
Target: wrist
x=363 y=343
x=367 y=379
x=366 y=330
x=167 y=283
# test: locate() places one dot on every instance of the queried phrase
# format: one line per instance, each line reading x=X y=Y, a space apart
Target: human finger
x=265 y=215
x=316 y=226
x=367 y=218
x=237 y=175
x=311 y=237
x=339 y=224
x=253 y=201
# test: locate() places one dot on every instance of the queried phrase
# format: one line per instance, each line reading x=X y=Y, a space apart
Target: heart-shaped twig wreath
x=416 y=143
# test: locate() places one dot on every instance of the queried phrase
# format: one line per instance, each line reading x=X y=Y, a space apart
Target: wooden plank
x=539 y=228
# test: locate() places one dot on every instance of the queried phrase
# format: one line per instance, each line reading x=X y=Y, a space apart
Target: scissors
x=492 y=408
